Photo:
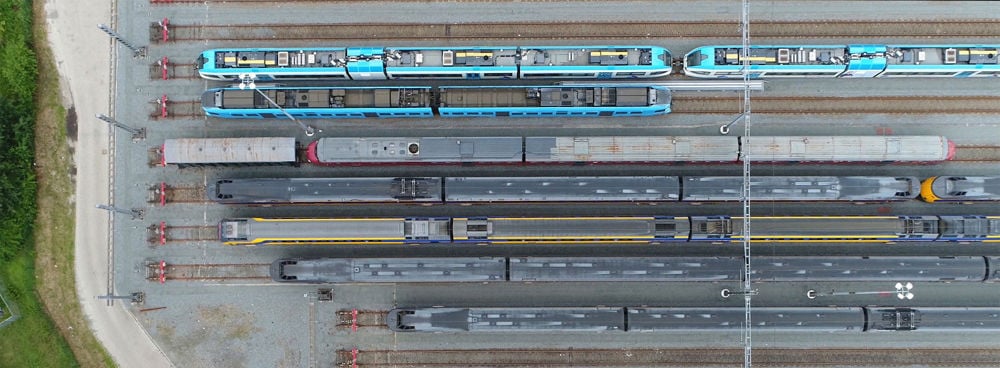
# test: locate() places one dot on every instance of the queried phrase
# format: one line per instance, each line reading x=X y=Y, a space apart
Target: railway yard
x=473 y=260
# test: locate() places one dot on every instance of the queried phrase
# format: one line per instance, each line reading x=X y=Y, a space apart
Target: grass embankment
x=43 y=287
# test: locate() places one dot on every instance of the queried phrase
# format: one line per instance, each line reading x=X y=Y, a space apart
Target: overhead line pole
x=748 y=292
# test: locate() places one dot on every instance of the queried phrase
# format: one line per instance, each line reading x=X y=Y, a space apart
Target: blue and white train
x=472 y=62
x=850 y=61
x=446 y=101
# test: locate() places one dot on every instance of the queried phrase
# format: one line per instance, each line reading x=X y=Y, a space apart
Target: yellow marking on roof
x=818 y=236
x=818 y=217
x=261 y=219
x=608 y=53
x=593 y=218
x=473 y=54
x=569 y=237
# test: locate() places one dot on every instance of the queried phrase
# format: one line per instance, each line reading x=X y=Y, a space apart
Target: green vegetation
x=50 y=323
x=17 y=128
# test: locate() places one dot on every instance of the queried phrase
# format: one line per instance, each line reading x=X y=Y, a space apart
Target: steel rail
x=207 y=272
x=683 y=104
x=582 y=30
x=769 y=357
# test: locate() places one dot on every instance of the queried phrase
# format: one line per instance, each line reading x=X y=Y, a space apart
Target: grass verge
x=54 y=226
x=53 y=332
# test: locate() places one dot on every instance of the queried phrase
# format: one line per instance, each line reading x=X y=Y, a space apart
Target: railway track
x=977 y=154
x=161 y=70
x=163 y=194
x=361 y=318
x=162 y=233
x=371 y=32
x=683 y=104
x=163 y=271
x=668 y=358
x=165 y=109
x=168 y=2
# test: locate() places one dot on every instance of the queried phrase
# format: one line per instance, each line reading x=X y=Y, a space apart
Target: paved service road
x=82 y=58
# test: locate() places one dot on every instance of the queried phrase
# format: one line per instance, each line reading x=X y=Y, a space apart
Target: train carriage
x=661 y=149
x=800 y=188
x=415 y=150
x=594 y=62
x=846 y=229
x=922 y=269
x=942 y=61
x=539 y=101
x=378 y=270
x=317 y=102
x=730 y=318
x=655 y=269
x=847 y=148
x=817 y=228
x=960 y=189
x=569 y=229
x=274 y=64
x=562 y=189
x=195 y=152
x=506 y=319
x=326 y=190
x=451 y=62
x=291 y=231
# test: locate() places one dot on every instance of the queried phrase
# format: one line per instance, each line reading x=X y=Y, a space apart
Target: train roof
x=803 y=227
x=583 y=188
x=868 y=268
x=731 y=318
x=419 y=149
x=317 y=97
x=229 y=150
x=846 y=148
x=561 y=228
x=801 y=188
x=305 y=190
x=631 y=149
x=325 y=230
x=595 y=95
x=967 y=187
x=625 y=269
x=507 y=319
x=941 y=57
x=375 y=270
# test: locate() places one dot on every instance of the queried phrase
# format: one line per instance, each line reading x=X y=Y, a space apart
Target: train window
x=631 y=74
x=511 y=75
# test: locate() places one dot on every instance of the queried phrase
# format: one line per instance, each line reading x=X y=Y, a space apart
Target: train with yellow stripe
x=605 y=229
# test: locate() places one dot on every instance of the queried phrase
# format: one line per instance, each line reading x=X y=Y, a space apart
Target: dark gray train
x=643 y=319
x=560 y=189
x=656 y=269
